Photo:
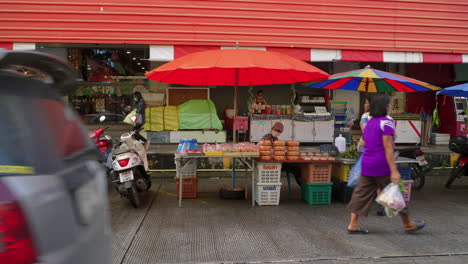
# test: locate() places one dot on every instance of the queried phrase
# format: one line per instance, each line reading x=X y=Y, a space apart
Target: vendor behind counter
x=276 y=131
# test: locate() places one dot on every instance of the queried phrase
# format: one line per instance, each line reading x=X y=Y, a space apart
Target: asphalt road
x=211 y=230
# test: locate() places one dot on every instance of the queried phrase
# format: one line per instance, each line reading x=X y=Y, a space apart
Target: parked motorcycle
x=130 y=164
x=460 y=168
x=420 y=169
x=104 y=143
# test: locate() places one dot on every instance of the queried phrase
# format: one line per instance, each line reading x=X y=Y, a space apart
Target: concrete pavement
x=211 y=230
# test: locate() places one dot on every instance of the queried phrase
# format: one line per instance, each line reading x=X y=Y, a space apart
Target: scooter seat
x=122 y=151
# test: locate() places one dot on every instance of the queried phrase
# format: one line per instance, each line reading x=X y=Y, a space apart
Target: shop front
x=108 y=75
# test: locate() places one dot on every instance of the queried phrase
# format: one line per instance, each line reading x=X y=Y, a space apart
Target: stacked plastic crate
x=340 y=176
x=316 y=182
x=188 y=172
x=267 y=183
x=406 y=171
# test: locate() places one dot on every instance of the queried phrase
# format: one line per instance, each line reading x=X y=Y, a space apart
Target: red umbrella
x=234 y=67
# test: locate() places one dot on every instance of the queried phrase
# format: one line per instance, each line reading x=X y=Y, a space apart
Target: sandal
x=361 y=231
x=419 y=225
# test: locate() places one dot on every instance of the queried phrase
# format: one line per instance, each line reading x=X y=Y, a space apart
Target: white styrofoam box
x=408 y=131
x=267 y=194
x=441 y=136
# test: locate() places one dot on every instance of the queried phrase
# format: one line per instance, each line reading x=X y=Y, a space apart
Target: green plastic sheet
x=199 y=114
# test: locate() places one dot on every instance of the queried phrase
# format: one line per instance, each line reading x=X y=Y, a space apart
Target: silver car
x=53 y=191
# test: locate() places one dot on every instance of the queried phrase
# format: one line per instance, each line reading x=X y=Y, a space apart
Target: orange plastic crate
x=189 y=187
x=316 y=173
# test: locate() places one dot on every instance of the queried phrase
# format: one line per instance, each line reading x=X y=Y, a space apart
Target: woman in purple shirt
x=378 y=166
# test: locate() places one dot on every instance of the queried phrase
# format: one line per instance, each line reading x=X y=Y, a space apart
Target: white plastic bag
x=391 y=197
x=128 y=118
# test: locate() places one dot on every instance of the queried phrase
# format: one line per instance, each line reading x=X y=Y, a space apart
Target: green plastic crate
x=316 y=193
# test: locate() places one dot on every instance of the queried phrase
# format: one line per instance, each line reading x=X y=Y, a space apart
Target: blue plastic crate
x=340 y=117
x=405 y=171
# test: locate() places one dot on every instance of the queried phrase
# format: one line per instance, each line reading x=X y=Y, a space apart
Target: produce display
x=296 y=148
x=350 y=153
x=279 y=153
x=233 y=149
x=279 y=143
x=288 y=151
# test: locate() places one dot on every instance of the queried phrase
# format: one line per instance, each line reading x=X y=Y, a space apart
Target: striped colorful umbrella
x=372 y=80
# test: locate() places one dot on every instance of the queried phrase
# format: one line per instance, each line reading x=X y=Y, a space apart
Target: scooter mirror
x=134 y=119
x=107 y=137
x=102 y=119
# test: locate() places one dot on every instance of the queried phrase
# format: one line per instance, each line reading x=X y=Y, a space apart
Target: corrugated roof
x=392 y=25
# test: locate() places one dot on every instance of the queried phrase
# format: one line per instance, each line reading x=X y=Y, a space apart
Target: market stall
x=369 y=80
x=265 y=162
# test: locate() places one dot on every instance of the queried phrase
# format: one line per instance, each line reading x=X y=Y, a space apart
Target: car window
x=24 y=142
x=38 y=130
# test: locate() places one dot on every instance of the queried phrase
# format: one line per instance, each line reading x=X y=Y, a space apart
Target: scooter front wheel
x=133 y=196
x=418 y=176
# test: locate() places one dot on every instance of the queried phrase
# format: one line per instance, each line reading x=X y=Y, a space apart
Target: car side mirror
x=102 y=119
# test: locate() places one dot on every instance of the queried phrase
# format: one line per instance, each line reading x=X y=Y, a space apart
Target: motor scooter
x=460 y=168
x=104 y=143
x=130 y=164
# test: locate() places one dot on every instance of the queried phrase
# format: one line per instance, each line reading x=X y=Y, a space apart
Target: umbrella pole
x=234 y=126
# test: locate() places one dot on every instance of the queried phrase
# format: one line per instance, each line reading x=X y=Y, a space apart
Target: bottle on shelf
x=340 y=143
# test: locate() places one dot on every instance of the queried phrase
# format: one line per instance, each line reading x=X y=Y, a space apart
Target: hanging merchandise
x=436 y=119
x=293 y=94
x=251 y=98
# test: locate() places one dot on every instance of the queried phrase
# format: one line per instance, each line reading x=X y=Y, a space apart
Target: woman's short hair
x=378 y=105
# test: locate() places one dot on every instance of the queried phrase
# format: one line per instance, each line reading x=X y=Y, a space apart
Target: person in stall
x=276 y=131
x=259 y=100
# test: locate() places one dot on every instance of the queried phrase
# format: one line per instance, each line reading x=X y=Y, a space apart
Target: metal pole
x=178 y=175
x=234 y=128
x=233 y=173
x=254 y=164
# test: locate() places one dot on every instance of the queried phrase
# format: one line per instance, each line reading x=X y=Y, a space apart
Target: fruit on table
x=265 y=157
x=265 y=143
x=290 y=148
x=280 y=148
x=293 y=143
x=279 y=143
x=279 y=158
x=265 y=148
x=350 y=153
